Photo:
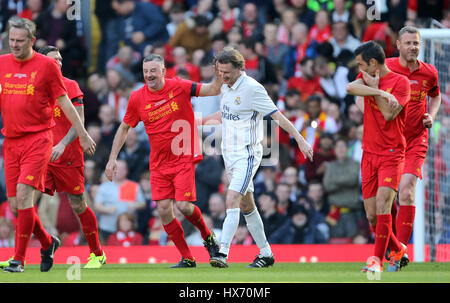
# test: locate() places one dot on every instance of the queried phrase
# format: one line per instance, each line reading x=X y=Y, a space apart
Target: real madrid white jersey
x=243 y=107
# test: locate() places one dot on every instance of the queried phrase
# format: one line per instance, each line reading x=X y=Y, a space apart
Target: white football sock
x=230 y=225
x=256 y=228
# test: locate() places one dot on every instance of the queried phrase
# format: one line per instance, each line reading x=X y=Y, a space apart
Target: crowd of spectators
x=300 y=50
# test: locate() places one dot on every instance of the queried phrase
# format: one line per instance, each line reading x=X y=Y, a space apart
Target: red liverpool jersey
x=73 y=154
x=423 y=81
x=29 y=90
x=169 y=121
x=380 y=136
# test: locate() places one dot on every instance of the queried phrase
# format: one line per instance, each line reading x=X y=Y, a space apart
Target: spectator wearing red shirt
x=321 y=30
x=126 y=234
x=308 y=83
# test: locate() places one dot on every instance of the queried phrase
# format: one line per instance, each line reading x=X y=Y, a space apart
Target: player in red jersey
x=65 y=171
x=164 y=106
x=31 y=83
x=385 y=96
x=423 y=79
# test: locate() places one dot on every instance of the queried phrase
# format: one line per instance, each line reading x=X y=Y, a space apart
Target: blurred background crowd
x=300 y=50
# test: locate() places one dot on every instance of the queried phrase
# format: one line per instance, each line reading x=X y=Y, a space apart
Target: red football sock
x=196 y=218
x=405 y=222
x=25 y=224
x=89 y=225
x=39 y=231
x=382 y=235
x=394 y=211
x=176 y=234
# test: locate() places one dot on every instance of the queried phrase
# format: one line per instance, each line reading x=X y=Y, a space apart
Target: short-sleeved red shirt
x=29 y=90
x=169 y=121
x=423 y=81
x=380 y=136
x=73 y=154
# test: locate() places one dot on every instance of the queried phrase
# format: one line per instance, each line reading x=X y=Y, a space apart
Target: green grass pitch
x=236 y=273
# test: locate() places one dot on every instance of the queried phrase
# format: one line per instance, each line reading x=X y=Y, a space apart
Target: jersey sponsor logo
x=20 y=76
x=230 y=116
x=163 y=111
x=18 y=89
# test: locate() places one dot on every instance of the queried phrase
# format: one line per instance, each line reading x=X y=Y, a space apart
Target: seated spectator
x=176 y=17
x=126 y=234
x=99 y=86
x=53 y=28
x=142 y=23
x=341 y=184
x=307 y=83
x=250 y=24
x=144 y=215
x=234 y=36
x=315 y=170
x=321 y=31
x=125 y=62
x=217 y=210
x=304 y=13
x=298 y=229
x=101 y=154
x=115 y=198
x=33 y=9
x=274 y=50
x=6 y=233
x=271 y=218
x=355 y=148
x=342 y=39
x=228 y=14
x=257 y=66
x=265 y=180
x=340 y=12
x=297 y=51
x=136 y=156
x=192 y=34
x=313 y=124
x=283 y=192
x=288 y=20
x=242 y=235
x=333 y=79
x=333 y=111
x=180 y=58
x=109 y=124
x=290 y=176
x=358 y=20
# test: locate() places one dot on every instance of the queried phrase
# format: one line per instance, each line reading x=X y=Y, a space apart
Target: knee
x=186 y=208
x=372 y=218
x=406 y=195
x=165 y=212
x=78 y=203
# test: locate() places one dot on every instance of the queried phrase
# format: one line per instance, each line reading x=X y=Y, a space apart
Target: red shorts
x=416 y=151
x=26 y=159
x=379 y=171
x=64 y=179
x=177 y=182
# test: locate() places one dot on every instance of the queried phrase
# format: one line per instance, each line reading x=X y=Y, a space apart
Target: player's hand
x=57 y=151
x=427 y=120
x=391 y=100
x=306 y=149
x=111 y=169
x=371 y=81
x=87 y=144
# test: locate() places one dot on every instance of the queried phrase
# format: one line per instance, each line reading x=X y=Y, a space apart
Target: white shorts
x=241 y=170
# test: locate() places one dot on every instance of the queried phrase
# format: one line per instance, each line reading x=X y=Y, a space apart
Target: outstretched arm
x=213 y=88
x=119 y=140
x=213 y=119
x=285 y=124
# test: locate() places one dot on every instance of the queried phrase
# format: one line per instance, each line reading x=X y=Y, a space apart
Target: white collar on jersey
x=238 y=81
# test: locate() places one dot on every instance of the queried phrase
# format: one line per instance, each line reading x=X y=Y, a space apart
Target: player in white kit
x=244 y=104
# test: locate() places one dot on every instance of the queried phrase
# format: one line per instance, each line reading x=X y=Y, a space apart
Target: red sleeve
x=435 y=89
x=56 y=80
x=402 y=91
x=190 y=87
x=132 y=114
x=412 y=5
x=74 y=93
